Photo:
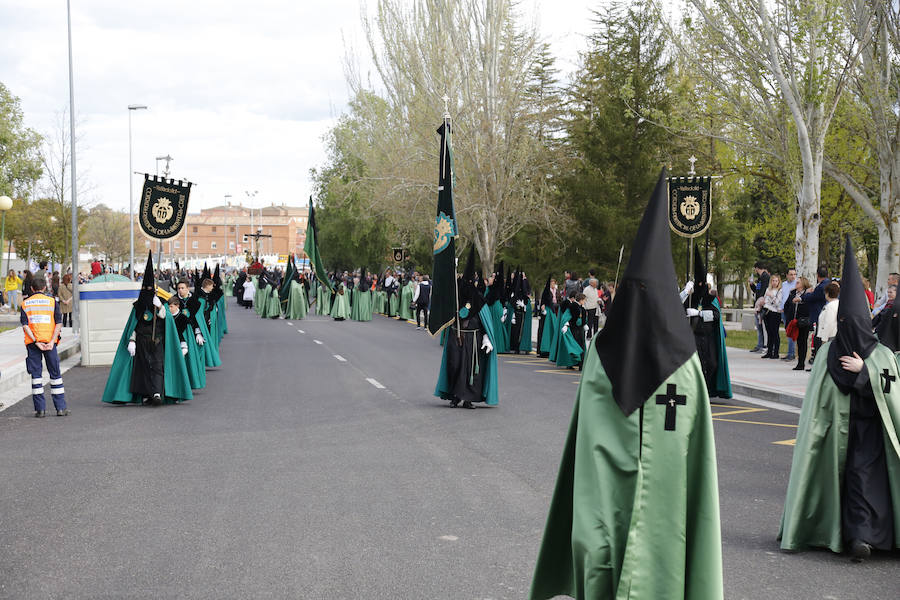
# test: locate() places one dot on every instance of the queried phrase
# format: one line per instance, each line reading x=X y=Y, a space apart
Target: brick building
x=224 y=230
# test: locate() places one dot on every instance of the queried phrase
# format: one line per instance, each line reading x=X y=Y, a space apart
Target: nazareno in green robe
x=490 y=388
x=568 y=351
x=210 y=348
x=406 y=296
x=500 y=330
x=175 y=376
x=221 y=319
x=195 y=360
x=550 y=325
x=297 y=306
x=340 y=308
x=379 y=302
x=635 y=513
x=362 y=305
x=812 y=509
x=525 y=339
x=323 y=300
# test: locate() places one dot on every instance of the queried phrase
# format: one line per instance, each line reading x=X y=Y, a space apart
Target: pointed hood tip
x=149 y=281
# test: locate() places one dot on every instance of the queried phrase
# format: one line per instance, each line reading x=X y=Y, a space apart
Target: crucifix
x=446 y=100
x=256 y=236
x=672 y=400
x=887 y=378
x=692 y=160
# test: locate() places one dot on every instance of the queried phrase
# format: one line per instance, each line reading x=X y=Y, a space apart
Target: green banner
x=311 y=247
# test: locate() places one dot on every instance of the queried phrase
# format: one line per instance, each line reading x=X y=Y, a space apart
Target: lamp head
x=5 y=203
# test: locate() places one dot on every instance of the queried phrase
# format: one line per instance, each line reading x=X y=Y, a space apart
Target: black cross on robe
x=671 y=399
x=887 y=378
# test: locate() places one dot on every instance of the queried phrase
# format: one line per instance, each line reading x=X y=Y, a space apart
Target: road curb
x=763 y=393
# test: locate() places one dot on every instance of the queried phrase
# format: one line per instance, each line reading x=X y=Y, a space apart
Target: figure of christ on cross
x=672 y=400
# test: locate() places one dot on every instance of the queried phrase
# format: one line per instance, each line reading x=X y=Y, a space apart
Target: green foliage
x=20 y=164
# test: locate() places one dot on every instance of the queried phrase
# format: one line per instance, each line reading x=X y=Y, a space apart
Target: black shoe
x=62 y=413
x=156 y=400
x=860 y=550
x=468 y=404
x=40 y=414
x=454 y=403
x=798 y=368
x=766 y=356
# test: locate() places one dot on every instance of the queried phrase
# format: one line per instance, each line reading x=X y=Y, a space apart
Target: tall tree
x=781 y=67
x=106 y=231
x=20 y=164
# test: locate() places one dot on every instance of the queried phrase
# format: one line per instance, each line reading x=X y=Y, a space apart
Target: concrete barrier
x=105 y=308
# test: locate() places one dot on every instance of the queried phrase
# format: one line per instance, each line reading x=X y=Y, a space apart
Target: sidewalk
x=14 y=377
x=766 y=379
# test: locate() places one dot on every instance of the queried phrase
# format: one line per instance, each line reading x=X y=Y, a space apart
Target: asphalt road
x=319 y=465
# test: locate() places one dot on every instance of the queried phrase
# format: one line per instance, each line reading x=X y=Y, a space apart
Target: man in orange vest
x=41 y=319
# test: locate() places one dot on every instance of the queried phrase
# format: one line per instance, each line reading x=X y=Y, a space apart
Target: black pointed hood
x=148 y=286
x=854 y=330
x=469 y=271
x=700 y=296
x=205 y=274
x=646 y=337
x=217 y=279
x=547 y=295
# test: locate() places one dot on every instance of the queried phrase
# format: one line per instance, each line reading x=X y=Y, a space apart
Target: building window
x=231 y=229
x=244 y=238
x=195 y=245
x=212 y=245
x=177 y=244
x=194 y=230
x=214 y=229
x=231 y=245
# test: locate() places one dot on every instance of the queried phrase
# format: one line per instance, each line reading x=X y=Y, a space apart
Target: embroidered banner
x=690 y=205
x=164 y=206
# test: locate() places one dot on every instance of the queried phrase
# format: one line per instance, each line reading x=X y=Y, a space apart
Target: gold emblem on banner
x=690 y=208
x=162 y=210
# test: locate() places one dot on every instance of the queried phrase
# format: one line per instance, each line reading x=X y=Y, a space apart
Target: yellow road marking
x=556 y=371
x=755 y=422
x=739 y=411
x=787 y=443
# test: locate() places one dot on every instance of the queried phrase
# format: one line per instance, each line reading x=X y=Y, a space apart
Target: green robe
x=812 y=510
x=195 y=360
x=635 y=513
x=228 y=287
x=394 y=305
x=500 y=331
x=210 y=348
x=723 y=375
x=362 y=305
x=323 y=301
x=221 y=320
x=341 y=306
x=568 y=352
x=379 y=300
x=551 y=324
x=525 y=340
x=406 y=296
x=297 y=305
x=176 y=383
x=271 y=304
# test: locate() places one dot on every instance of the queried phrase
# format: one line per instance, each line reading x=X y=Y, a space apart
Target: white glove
x=131 y=347
x=157 y=302
x=688 y=287
x=200 y=339
x=520 y=304
x=587 y=327
x=693 y=312
x=486 y=345
x=162 y=312
x=565 y=328
x=513 y=321
x=544 y=311
x=184 y=348
x=503 y=318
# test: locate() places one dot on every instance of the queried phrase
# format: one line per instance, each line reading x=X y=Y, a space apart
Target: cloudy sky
x=239 y=93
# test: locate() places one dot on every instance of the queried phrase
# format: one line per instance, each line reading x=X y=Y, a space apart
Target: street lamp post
x=5 y=204
x=131 y=109
x=225 y=230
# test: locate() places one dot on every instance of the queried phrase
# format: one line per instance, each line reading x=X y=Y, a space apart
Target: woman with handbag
x=801 y=315
x=772 y=316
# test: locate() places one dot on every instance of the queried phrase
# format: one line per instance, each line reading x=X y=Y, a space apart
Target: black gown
x=866 y=511
x=706 y=338
x=147 y=376
x=515 y=330
x=464 y=360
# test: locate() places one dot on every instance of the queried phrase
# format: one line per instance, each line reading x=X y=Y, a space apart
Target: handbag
x=803 y=322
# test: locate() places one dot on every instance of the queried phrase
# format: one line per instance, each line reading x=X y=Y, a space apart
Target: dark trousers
x=35 y=368
x=802 y=345
x=420 y=309
x=592 y=320
x=67 y=319
x=773 y=322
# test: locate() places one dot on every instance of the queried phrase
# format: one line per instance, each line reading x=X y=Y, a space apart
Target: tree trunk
x=806 y=239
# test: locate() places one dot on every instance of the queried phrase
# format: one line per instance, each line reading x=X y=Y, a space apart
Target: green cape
x=195 y=359
x=394 y=305
x=406 y=296
x=378 y=302
x=501 y=333
x=567 y=352
x=635 y=513
x=176 y=383
x=323 y=300
x=220 y=318
x=549 y=331
x=525 y=339
x=297 y=306
x=210 y=348
x=341 y=306
x=489 y=390
x=362 y=306
x=228 y=287
x=812 y=509
x=723 y=374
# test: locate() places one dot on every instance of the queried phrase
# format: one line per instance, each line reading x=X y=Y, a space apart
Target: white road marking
x=300 y=331
x=375 y=383
x=449 y=538
x=289 y=323
x=318 y=342
x=340 y=358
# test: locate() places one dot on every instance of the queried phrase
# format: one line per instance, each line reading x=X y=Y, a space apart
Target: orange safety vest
x=39 y=309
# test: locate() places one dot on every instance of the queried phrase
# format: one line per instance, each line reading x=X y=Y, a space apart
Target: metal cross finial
x=446 y=100
x=692 y=160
